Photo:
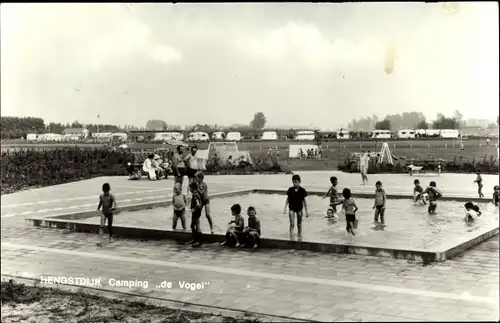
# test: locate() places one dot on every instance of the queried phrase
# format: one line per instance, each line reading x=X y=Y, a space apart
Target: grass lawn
x=23 y=303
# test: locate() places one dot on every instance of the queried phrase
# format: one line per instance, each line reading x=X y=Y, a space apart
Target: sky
x=299 y=63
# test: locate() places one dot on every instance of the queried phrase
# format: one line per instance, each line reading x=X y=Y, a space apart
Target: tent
x=385 y=155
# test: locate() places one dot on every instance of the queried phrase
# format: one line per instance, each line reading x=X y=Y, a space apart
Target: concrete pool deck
x=297 y=285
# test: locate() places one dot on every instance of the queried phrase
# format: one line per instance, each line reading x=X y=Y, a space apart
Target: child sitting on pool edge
x=252 y=231
x=471 y=211
x=235 y=227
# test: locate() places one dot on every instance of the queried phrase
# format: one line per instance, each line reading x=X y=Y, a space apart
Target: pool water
x=406 y=224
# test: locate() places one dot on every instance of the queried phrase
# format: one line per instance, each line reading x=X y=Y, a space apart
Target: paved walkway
x=302 y=285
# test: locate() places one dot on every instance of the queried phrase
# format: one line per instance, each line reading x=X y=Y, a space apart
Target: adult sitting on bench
x=156 y=163
x=149 y=168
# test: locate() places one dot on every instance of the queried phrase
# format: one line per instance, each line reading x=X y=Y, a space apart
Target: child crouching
x=471 y=212
x=252 y=231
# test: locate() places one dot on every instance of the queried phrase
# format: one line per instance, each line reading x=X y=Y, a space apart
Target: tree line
x=408 y=120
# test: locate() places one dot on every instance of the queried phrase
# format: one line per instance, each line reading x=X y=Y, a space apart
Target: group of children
x=296 y=203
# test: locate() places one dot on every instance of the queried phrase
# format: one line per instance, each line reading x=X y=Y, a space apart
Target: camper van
x=233 y=136
x=219 y=135
x=406 y=134
x=101 y=135
x=343 y=135
x=269 y=135
x=381 y=134
x=198 y=136
x=449 y=133
x=50 y=137
x=31 y=136
x=305 y=135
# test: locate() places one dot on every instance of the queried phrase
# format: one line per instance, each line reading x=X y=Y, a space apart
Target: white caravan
x=343 y=135
x=233 y=136
x=406 y=134
x=381 y=134
x=305 y=135
x=219 y=135
x=449 y=133
x=198 y=136
x=269 y=135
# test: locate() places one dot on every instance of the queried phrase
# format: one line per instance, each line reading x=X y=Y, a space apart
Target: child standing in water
x=179 y=202
x=296 y=202
x=434 y=195
x=334 y=197
x=108 y=203
x=379 y=205
x=479 y=181
x=196 y=207
x=495 y=195
x=418 y=192
x=205 y=201
x=350 y=209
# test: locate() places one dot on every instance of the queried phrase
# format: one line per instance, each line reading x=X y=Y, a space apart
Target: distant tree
x=459 y=117
x=155 y=124
x=76 y=124
x=259 y=121
x=492 y=126
x=443 y=122
x=383 y=125
x=422 y=125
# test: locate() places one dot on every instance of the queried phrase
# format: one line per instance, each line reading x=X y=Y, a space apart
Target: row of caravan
x=412 y=134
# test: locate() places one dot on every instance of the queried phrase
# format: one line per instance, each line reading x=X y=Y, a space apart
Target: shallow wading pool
x=407 y=225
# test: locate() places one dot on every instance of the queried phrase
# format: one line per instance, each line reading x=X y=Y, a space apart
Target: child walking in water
x=205 y=201
x=296 y=203
x=108 y=203
x=379 y=205
x=350 y=209
x=179 y=202
x=334 y=197
x=479 y=181
x=434 y=195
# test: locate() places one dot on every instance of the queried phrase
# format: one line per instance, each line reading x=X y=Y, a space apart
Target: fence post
x=326 y=146
x=360 y=146
x=394 y=146
x=260 y=147
x=479 y=145
x=445 y=145
x=411 y=145
x=428 y=145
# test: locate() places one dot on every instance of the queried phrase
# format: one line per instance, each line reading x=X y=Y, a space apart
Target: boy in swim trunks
x=418 y=192
x=379 y=204
x=495 y=195
x=479 y=181
x=253 y=229
x=434 y=195
x=108 y=203
x=196 y=208
x=334 y=196
x=179 y=202
x=235 y=228
x=297 y=204
x=205 y=201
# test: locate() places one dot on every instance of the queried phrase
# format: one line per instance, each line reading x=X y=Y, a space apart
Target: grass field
x=334 y=152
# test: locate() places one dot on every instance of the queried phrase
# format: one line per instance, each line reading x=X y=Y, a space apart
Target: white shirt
x=147 y=165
